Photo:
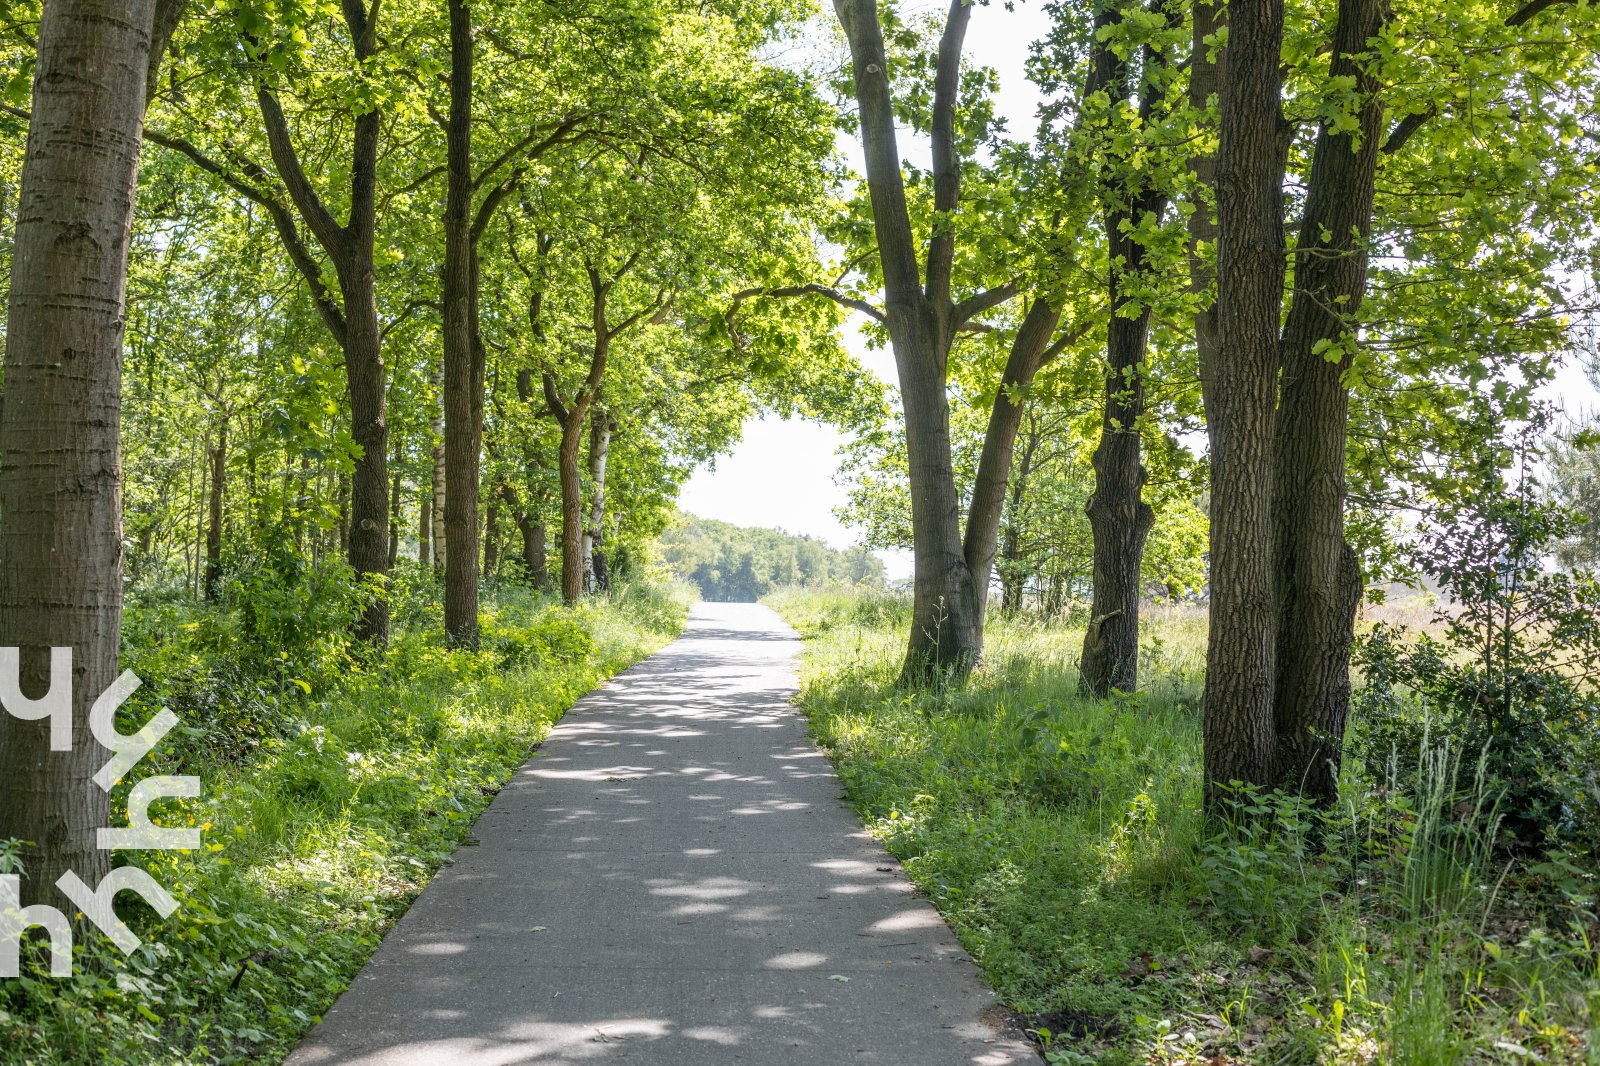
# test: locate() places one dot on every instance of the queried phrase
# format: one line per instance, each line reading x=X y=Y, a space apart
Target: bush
x=1510 y=675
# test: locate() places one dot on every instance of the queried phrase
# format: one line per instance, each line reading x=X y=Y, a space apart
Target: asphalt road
x=672 y=879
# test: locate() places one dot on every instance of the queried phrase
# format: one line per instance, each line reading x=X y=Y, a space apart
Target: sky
x=781 y=474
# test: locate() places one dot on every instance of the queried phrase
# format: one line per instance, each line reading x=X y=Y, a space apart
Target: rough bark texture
x=491 y=535
x=601 y=429
x=1240 y=657
x=60 y=476
x=1205 y=81
x=1318 y=579
x=463 y=367
x=571 y=503
x=437 y=487
x=218 y=457
x=526 y=504
x=353 y=319
x=1027 y=356
x=1119 y=519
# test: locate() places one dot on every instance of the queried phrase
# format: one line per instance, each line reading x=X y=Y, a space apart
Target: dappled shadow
x=672 y=879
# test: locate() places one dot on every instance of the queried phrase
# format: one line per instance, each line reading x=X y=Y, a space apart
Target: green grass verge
x=1061 y=837
x=332 y=809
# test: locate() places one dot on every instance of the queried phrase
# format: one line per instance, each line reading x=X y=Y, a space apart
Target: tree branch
x=1409 y=125
x=983 y=301
x=282 y=219
x=946 y=167
x=327 y=231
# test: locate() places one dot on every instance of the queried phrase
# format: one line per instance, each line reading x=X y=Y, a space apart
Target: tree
x=60 y=482
x=1240 y=744
x=922 y=317
x=292 y=200
x=1278 y=662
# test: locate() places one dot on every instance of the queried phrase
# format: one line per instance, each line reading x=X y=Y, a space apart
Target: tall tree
x=1133 y=199
x=61 y=477
x=348 y=308
x=923 y=316
x=1239 y=741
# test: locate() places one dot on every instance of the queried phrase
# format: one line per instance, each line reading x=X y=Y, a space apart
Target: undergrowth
x=335 y=783
x=1062 y=838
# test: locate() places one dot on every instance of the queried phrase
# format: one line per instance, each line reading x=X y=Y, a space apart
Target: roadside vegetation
x=1063 y=838
x=336 y=781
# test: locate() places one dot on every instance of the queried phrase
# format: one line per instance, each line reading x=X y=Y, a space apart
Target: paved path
x=672 y=880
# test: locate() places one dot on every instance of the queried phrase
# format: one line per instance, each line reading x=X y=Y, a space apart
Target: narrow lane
x=673 y=879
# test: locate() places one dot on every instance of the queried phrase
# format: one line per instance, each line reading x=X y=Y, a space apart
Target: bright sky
x=781 y=474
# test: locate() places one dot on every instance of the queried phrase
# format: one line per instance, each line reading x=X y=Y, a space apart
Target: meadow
x=1063 y=840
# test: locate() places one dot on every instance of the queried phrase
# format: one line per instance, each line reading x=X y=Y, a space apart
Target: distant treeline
x=742 y=563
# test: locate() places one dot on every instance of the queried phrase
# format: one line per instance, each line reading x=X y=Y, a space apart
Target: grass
x=1062 y=839
x=331 y=795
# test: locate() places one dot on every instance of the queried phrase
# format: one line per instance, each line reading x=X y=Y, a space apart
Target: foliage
x=1062 y=839
x=741 y=564
x=1575 y=486
x=1510 y=674
x=335 y=786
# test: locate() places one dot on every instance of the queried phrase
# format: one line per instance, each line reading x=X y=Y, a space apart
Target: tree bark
x=437 y=486
x=1027 y=356
x=1119 y=519
x=572 y=502
x=1205 y=81
x=396 y=484
x=219 y=481
x=491 y=535
x=353 y=319
x=60 y=465
x=1318 y=579
x=1240 y=656
x=947 y=609
x=601 y=429
x=527 y=504
x=425 y=525
x=463 y=365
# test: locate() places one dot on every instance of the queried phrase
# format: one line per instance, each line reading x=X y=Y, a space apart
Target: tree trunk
x=491 y=535
x=463 y=372
x=947 y=608
x=1240 y=657
x=394 y=514
x=535 y=554
x=571 y=505
x=1318 y=579
x=1119 y=519
x=60 y=483
x=601 y=429
x=530 y=519
x=219 y=481
x=368 y=544
x=1205 y=81
x=425 y=525
x=984 y=511
x=438 y=487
